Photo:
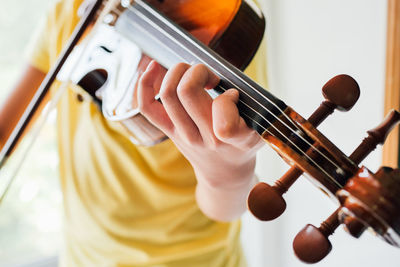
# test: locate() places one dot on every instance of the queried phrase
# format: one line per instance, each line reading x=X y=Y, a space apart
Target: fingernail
x=234 y=93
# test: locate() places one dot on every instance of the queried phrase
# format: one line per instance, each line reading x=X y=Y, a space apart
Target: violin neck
x=165 y=41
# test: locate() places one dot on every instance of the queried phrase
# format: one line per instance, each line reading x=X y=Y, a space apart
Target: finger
x=228 y=126
x=182 y=122
x=195 y=100
x=148 y=105
x=158 y=78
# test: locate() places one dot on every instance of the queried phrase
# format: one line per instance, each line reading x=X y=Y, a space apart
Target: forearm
x=19 y=98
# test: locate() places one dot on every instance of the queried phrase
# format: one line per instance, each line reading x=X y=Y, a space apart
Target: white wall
x=309 y=42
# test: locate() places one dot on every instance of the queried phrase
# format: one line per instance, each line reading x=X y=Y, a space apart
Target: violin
x=172 y=31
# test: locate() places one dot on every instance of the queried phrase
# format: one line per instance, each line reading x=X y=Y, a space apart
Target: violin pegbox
x=266 y=202
x=372 y=201
x=366 y=201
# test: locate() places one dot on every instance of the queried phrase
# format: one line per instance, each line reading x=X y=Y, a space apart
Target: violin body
x=233 y=29
x=155 y=29
x=128 y=34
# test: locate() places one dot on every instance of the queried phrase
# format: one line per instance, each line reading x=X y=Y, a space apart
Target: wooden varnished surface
x=392 y=85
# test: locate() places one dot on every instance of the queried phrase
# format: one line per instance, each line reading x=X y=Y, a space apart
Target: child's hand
x=209 y=133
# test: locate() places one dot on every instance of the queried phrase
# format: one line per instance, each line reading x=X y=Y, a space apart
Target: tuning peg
x=341 y=93
x=376 y=136
x=311 y=244
x=265 y=201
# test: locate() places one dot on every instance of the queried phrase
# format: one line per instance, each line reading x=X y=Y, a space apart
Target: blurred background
x=30 y=215
x=308 y=42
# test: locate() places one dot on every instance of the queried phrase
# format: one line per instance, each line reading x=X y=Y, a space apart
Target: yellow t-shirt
x=125 y=205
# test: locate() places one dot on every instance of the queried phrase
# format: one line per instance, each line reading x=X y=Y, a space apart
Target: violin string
x=301 y=137
x=238 y=88
x=288 y=139
x=199 y=47
x=227 y=69
x=305 y=154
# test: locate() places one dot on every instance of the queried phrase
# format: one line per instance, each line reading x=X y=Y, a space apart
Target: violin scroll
x=372 y=201
x=367 y=201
